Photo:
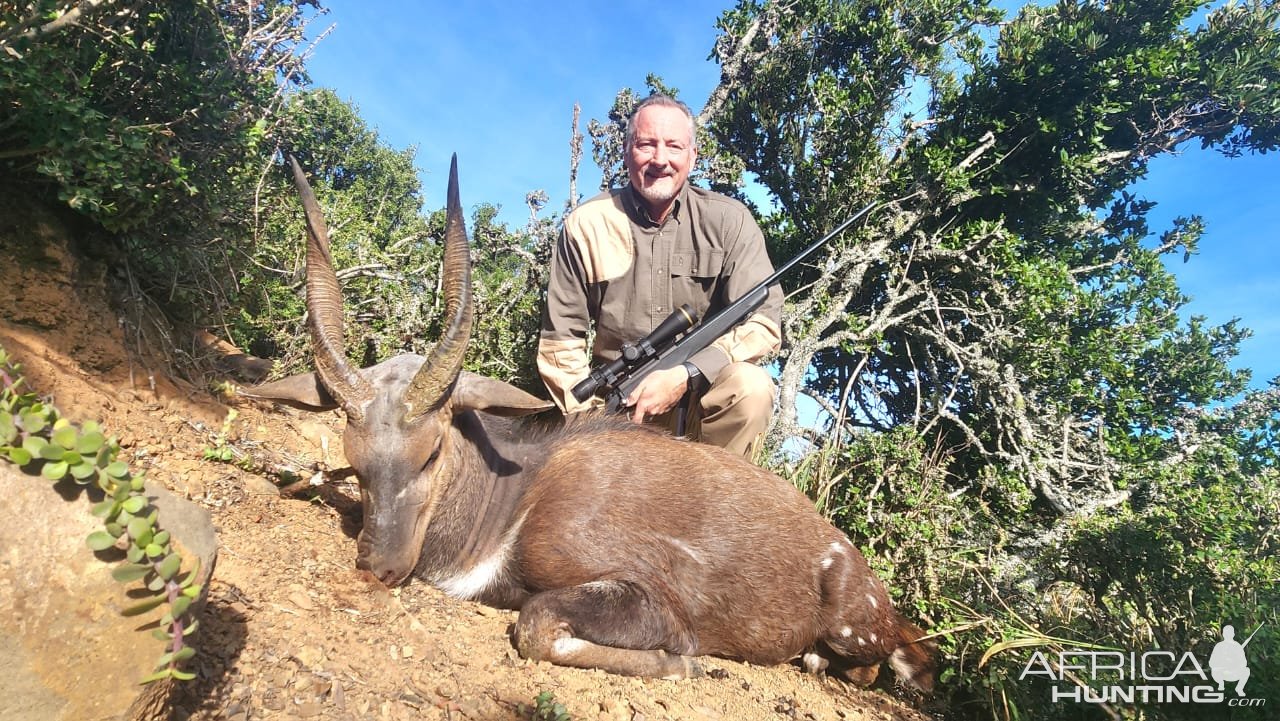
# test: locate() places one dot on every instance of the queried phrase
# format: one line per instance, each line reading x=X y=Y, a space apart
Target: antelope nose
x=388 y=574
x=391 y=577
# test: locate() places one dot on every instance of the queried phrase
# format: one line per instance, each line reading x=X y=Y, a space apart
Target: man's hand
x=659 y=393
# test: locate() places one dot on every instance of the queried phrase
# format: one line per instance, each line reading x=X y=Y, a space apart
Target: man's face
x=660 y=156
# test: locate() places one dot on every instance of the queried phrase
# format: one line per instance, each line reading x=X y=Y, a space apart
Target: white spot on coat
x=565 y=647
x=872 y=600
x=686 y=549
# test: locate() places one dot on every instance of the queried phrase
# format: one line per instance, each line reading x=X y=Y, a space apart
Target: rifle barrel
x=1255 y=632
x=817 y=244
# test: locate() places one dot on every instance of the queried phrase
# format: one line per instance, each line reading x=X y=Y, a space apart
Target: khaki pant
x=734 y=412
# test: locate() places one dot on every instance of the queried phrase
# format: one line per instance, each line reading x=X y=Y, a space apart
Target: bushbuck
x=623 y=548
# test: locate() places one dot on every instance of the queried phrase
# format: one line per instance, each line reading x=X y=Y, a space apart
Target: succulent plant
x=37 y=439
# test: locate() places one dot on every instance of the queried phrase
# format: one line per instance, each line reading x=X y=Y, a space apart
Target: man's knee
x=736 y=408
x=745 y=386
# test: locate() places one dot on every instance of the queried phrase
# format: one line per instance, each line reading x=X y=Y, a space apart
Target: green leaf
x=182 y=675
x=20 y=456
x=34 y=421
x=135 y=504
x=90 y=442
x=82 y=471
x=117 y=469
x=191 y=576
x=192 y=591
x=8 y=431
x=162 y=538
x=142 y=607
x=191 y=627
x=135 y=554
x=52 y=452
x=139 y=526
x=179 y=606
x=129 y=572
x=34 y=445
x=169 y=566
x=154 y=550
x=157 y=676
x=100 y=540
x=104 y=509
x=54 y=471
x=65 y=436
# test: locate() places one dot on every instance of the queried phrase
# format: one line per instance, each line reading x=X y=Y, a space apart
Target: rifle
x=661 y=350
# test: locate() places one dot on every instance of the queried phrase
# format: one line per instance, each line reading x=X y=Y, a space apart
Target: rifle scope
x=633 y=354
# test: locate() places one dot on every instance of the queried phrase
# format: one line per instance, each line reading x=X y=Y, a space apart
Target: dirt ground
x=291 y=629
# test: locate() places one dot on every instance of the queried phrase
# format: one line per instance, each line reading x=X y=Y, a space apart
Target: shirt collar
x=636 y=206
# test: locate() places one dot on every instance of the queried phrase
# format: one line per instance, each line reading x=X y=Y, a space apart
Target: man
x=1228 y=662
x=628 y=257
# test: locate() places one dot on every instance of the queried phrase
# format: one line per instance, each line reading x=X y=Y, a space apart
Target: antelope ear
x=303 y=391
x=478 y=393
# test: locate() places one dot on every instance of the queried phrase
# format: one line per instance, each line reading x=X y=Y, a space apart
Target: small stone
x=307 y=710
x=615 y=710
x=310 y=656
x=338 y=696
x=412 y=700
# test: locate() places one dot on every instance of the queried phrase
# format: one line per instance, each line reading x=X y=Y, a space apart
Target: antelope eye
x=435 y=455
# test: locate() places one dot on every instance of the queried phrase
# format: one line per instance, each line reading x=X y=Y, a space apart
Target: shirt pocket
x=695 y=276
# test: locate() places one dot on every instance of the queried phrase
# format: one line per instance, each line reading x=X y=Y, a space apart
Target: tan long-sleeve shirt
x=620 y=274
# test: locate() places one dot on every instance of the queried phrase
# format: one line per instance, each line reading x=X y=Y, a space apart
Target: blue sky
x=496 y=82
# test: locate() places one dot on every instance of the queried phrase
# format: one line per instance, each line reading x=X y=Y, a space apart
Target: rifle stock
x=615 y=381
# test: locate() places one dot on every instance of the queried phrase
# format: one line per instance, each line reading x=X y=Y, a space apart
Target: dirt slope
x=292 y=630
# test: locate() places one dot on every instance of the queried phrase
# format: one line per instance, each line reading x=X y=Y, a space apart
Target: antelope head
x=399 y=436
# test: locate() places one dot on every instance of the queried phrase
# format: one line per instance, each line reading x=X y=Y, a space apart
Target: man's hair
x=663 y=100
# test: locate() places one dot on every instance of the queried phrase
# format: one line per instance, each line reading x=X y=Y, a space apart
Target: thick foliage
x=1008 y=311
x=155 y=120
x=137 y=112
